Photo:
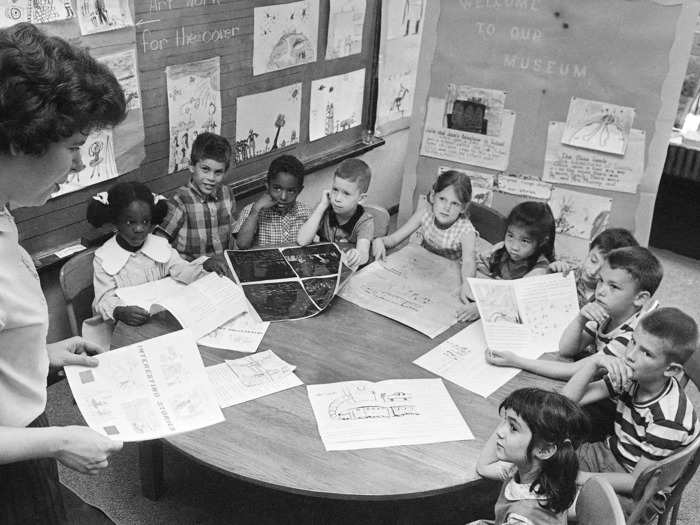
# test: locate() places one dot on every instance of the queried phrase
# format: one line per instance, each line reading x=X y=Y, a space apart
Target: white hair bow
x=101 y=197
x=157 y=198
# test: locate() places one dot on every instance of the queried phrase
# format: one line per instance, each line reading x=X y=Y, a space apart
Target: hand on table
x=72 y=351
x=131 y=315
x=352 y=257
x=83 y=449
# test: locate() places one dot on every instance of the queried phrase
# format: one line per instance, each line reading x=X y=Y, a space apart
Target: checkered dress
x=444 y=242
x=199 y=224
x=275 y=228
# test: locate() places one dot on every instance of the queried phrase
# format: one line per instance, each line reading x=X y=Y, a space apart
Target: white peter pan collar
x=114 y=257
x=515 y=491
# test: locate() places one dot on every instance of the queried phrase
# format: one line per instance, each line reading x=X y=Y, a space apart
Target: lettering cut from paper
x=97 y=16
x=284 y=35
x=598 y=125
x=472 y=109
x=99 y=161
x=194 y=106
x=579 y=214
x=336 y=104
x=267 y=121
x=346 y=22
x=405 y=18
x=125 y=68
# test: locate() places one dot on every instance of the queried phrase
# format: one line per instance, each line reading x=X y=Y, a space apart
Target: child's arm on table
x=308 y=230
x=249 y=228
x=574 y=338
x=381 y=244
x=107 y=302
x=488 y=464
x=542 y=367
x=186 y=272
x=468 y=242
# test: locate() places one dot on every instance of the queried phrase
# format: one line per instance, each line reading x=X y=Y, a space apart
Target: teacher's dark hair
x=51 y=90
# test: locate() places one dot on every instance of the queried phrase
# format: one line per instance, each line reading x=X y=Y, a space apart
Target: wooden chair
x=381 y=219
x=670 y=475
x=490 y=224
x=76 y=283
x=597 y=504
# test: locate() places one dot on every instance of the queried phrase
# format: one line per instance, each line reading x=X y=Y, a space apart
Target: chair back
x=381 y=218
x=597 y=504
x=77 y=286
x=490 y=224
x=670 y=476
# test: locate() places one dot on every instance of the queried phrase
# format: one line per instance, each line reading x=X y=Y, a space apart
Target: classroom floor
x=195 y=495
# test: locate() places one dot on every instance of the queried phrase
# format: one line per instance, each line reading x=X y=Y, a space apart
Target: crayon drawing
x=124 y=67
x=267 y=121
x=579 y=214
x=44 y=11
x=284 y=35
x=336 y=104
x=475 y=110
x=345 y=24
x=194 y=106
x=405 y=18
x=497 y=304
x=97 y=16
x=598 y=126
x=14 y=11
x=98 y=157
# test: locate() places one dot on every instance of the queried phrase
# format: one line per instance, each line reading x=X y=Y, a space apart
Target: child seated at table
x=276 y=217
x=654 y=418
x=340 y=217
x=133 y=255
x=533 y=450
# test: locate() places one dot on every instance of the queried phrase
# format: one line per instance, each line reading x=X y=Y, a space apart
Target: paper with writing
x=242 y=334
x=531 y=188
x=345 y=24
x=146 y=294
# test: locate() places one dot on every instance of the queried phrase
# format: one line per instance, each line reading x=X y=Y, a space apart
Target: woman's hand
x=379 y=249
x=131 y=315
x=83 y=449
x=73 y=351
x=468 y=312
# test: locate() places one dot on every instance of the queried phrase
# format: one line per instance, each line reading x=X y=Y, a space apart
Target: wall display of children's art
x=98 y=156
x=482 y=184
x=465 y=147
x=597 y=125
x=267 y=121
x=593 y=169
x=284 y=35
x=97 y=16
x=45 y=11
x=406 y=18
x=336 y=104
x=473 y=109
x=194 y=106
x=579 y=214
x=14 y=11
x=125 y=68
x=345 y=25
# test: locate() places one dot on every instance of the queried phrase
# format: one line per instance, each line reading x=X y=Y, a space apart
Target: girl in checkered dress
x=440 y=224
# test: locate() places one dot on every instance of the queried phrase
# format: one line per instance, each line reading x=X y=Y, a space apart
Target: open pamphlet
x=289 y=283
x=526 y=316
x=201 y=306
x=360 y=414
x=148 y=390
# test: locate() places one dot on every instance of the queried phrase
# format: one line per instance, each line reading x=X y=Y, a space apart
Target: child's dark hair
x=119 y=197
x=676 y=328
x=642 y=265
x=459 y=181
x=613 y=238
x=355 y=170
x=287 y=164
x=554 y=420
x=211 y=146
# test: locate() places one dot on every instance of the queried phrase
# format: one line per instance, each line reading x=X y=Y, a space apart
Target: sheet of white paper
x=125 y=68
x=345 y=24
x=531 y=188
x=359 y=414
x=579 y=214
x=242 y=334
x=147 y=294
x=149 y=390
x=69 y=250
x=413 y=286
x=251 y=377
x=598 y=125
x=14 y=11
x=336 y=103
x=105 y=15
x=461 y=360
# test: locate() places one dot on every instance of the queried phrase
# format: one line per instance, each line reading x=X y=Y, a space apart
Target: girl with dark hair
x=134 y=256
x=533 y=450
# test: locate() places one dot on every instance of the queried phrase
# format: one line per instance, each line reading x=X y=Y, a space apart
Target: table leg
x=151 y=468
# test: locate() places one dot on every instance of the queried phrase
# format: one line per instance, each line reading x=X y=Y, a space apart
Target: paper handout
x=360 y=414
x=526 y=316
x=288 y=283
x=149 y=390
x=242 y=334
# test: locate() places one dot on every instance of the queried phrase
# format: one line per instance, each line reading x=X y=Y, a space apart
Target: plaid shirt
x=199 y=224
x=275 y=228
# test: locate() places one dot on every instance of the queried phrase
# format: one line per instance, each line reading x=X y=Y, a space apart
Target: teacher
x=52 y=95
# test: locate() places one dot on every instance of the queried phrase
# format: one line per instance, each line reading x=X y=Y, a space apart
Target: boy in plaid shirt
x=200 y=219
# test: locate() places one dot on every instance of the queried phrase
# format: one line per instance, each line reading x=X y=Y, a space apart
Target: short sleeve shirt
x=275 y=227
x=360 y=226
x=613 y=342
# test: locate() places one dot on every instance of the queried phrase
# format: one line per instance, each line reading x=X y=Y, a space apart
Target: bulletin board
x=543 y=56
x=169 y=34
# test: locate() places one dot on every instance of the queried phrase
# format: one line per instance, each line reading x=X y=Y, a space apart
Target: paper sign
x=531 y=188
x=579 y=214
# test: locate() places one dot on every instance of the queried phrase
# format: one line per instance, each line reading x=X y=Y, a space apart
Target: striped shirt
x=446 y=242
x=654 y=429
x=615 y=341
x=199 y=224
x=276 y=228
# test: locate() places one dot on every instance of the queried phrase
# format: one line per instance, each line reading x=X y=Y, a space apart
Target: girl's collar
x=114 y=257
x=515 y=491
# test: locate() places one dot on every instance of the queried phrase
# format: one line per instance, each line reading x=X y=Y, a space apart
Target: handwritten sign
x=531 y=188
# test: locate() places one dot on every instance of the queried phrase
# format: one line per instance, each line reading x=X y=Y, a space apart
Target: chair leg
x=151 y=468
x=674 y=513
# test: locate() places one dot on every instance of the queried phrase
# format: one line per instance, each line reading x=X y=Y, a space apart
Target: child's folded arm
x=183 y=271
x=247 y=227
x=581 y=388
x=489 y=466
x=309 y=229
x=574 y=339
x=106 y=298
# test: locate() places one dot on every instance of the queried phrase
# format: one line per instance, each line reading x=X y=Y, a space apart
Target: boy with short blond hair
x=340 y=217
x=654 y=418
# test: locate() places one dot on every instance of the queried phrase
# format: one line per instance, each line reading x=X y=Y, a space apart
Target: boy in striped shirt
x=654 y=418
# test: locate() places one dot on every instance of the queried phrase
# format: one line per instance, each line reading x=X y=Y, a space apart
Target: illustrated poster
x=125 y=68
x=599 y=126
x=14 y=11
x=579 y=214
x=97 y=16
x=472 y=109
x=336 y=104
x=345 y=24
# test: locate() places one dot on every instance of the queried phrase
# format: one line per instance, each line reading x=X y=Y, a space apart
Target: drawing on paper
x=475 y=110
x=267 y=121
x=599 y=126
x=123 y=65
x=96 y=16
x=360 y=402
x=345 y=24
x=261 y=369
x=44 y=11
x=142 y=416
x=405 y=18
x=188 y=404
x=100 y=165
x=482 y=184
x=172 y=366
x=497 y=304
x=284 y=35
x=336 y=104
x=579 y=214
x=194 y=106
x=14 y=11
